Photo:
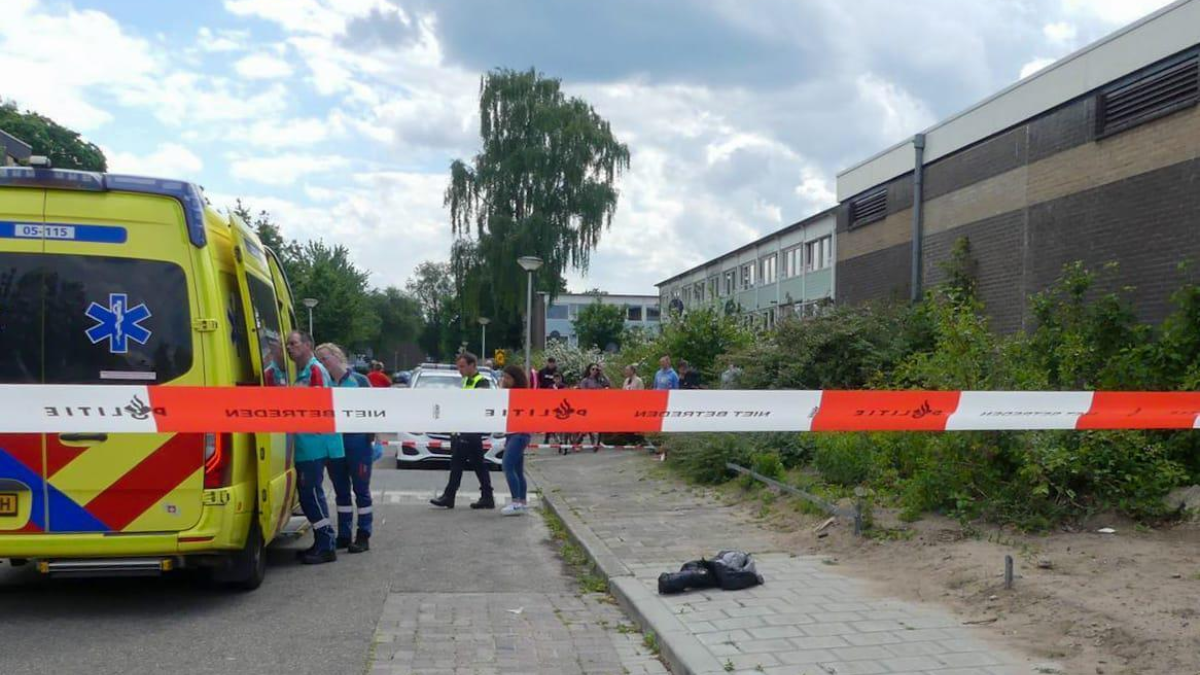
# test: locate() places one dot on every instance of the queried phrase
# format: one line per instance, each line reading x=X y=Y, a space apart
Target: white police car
x=416 y=449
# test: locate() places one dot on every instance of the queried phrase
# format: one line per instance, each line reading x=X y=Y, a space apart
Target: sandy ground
x=1123 y=603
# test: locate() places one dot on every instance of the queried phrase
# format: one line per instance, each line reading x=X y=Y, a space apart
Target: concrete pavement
x=806 y=618
x=452 y=593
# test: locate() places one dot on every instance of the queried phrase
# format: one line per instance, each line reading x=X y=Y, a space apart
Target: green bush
x=1084 y=335
x=767 y=463
x=847 y=459
x=702 y=457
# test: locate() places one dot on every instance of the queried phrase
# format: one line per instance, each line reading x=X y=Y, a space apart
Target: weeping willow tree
x=542 y=184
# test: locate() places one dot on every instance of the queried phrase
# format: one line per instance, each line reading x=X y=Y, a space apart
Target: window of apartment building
x=687 y=295
x=1161 y=89
x=767 y=268
x=652 y=314
x=791 y=262
x=868 y=208
x=556 y=312
x=713 y=286
x=730 y=280
x=698 y=291
x=573 y=310
x=633 y=312
x=818 y=254
x=748 y=276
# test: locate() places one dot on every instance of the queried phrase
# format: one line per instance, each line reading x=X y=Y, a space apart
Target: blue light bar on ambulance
x=187 y=194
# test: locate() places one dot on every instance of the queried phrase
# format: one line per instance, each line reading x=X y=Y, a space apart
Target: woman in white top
x=632 y=381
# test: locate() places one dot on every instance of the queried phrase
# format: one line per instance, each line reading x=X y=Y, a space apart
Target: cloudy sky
x=341 y=116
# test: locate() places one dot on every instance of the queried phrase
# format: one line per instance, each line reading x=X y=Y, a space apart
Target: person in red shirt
x=377 y=377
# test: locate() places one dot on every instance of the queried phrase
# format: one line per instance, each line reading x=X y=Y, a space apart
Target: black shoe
x=342 y=543
x=361 y=544
x=319 y=557
x=485 y=502
x=304 y=552
x=443 y=502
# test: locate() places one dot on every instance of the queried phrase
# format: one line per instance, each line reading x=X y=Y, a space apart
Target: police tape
x=445 y=446
x=137 y=408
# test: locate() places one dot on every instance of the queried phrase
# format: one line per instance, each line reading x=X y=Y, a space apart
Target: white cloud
x=1117 y=12
x=190 y=98
x=282 y=170
x=390 y=221
x=169 y=160
x=263 y=67
x=223 y=40
x=54 y=59
x=901 y=114
x=1034 y=66
x=285 y=133
x=1060 y=33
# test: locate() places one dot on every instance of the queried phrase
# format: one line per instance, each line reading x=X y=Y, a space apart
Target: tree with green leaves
x=432 y=287
x=344 y=314
x=400 y=322
x=600 y=325
x=543 y=184
x=64 y=147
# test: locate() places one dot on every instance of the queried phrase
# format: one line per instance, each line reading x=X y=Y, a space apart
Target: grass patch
x=574 y=555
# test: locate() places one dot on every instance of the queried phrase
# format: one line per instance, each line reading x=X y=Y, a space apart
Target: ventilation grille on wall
x=868 y=208
x=1157 y=91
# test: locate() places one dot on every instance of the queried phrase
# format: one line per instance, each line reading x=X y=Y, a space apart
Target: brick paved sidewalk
x=507 y=634
x=806 y=619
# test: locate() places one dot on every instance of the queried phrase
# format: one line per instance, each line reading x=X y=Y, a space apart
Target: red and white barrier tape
x=134 y=408
x=487 y=445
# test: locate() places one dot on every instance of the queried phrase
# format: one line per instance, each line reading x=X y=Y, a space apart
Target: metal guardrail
x=827 y=507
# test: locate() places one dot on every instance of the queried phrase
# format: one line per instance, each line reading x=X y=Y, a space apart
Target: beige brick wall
x=895 y=229
x=1157 y=144
x=1151 y=146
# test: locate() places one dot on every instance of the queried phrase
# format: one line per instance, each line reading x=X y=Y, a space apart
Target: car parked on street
x=418 y=449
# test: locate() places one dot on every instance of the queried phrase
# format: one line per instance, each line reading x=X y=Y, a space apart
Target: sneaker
x=513 y=510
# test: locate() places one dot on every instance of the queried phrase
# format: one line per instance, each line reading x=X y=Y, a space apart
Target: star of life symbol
x=118 y=323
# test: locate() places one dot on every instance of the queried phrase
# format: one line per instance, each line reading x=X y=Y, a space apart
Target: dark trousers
x=467 y=453
x=352 y=474
x=310 y=478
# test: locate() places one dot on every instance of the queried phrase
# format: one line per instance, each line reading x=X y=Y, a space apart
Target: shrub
x=702 y=457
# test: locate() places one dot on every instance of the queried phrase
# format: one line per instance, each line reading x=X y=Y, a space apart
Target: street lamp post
x=483 y=321
x=310 y=303
x=530 y=264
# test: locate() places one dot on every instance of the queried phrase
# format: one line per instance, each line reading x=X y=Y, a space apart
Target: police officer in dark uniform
x=467 y=449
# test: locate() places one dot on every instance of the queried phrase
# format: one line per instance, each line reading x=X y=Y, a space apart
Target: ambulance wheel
x=248 y=567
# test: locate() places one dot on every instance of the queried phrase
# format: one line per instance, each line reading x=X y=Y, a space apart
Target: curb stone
x=685 y=654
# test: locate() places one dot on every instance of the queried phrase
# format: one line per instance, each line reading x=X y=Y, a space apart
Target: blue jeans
x=310 y=479
x=514 y=464
x=352 y=474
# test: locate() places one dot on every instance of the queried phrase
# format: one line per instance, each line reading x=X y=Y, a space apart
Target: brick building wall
x=1036 y=197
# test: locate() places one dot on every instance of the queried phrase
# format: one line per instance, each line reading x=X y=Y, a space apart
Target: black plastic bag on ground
x=694 y=574
x=734 y=570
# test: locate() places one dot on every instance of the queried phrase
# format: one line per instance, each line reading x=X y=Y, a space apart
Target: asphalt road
x=302 y=620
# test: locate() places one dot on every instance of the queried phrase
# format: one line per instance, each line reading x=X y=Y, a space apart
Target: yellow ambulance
x=109 y=279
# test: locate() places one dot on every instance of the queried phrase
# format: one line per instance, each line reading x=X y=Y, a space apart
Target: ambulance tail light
x=218 y=460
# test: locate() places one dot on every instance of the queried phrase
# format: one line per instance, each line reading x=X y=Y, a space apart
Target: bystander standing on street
x=730 y=376
x=632 y=381
x=312 y=452
x=594 y=379
x=666 y=377
x=689 y=377
x=513 y=377
x=377 y=377
x=545 y=376
x=352 y=473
